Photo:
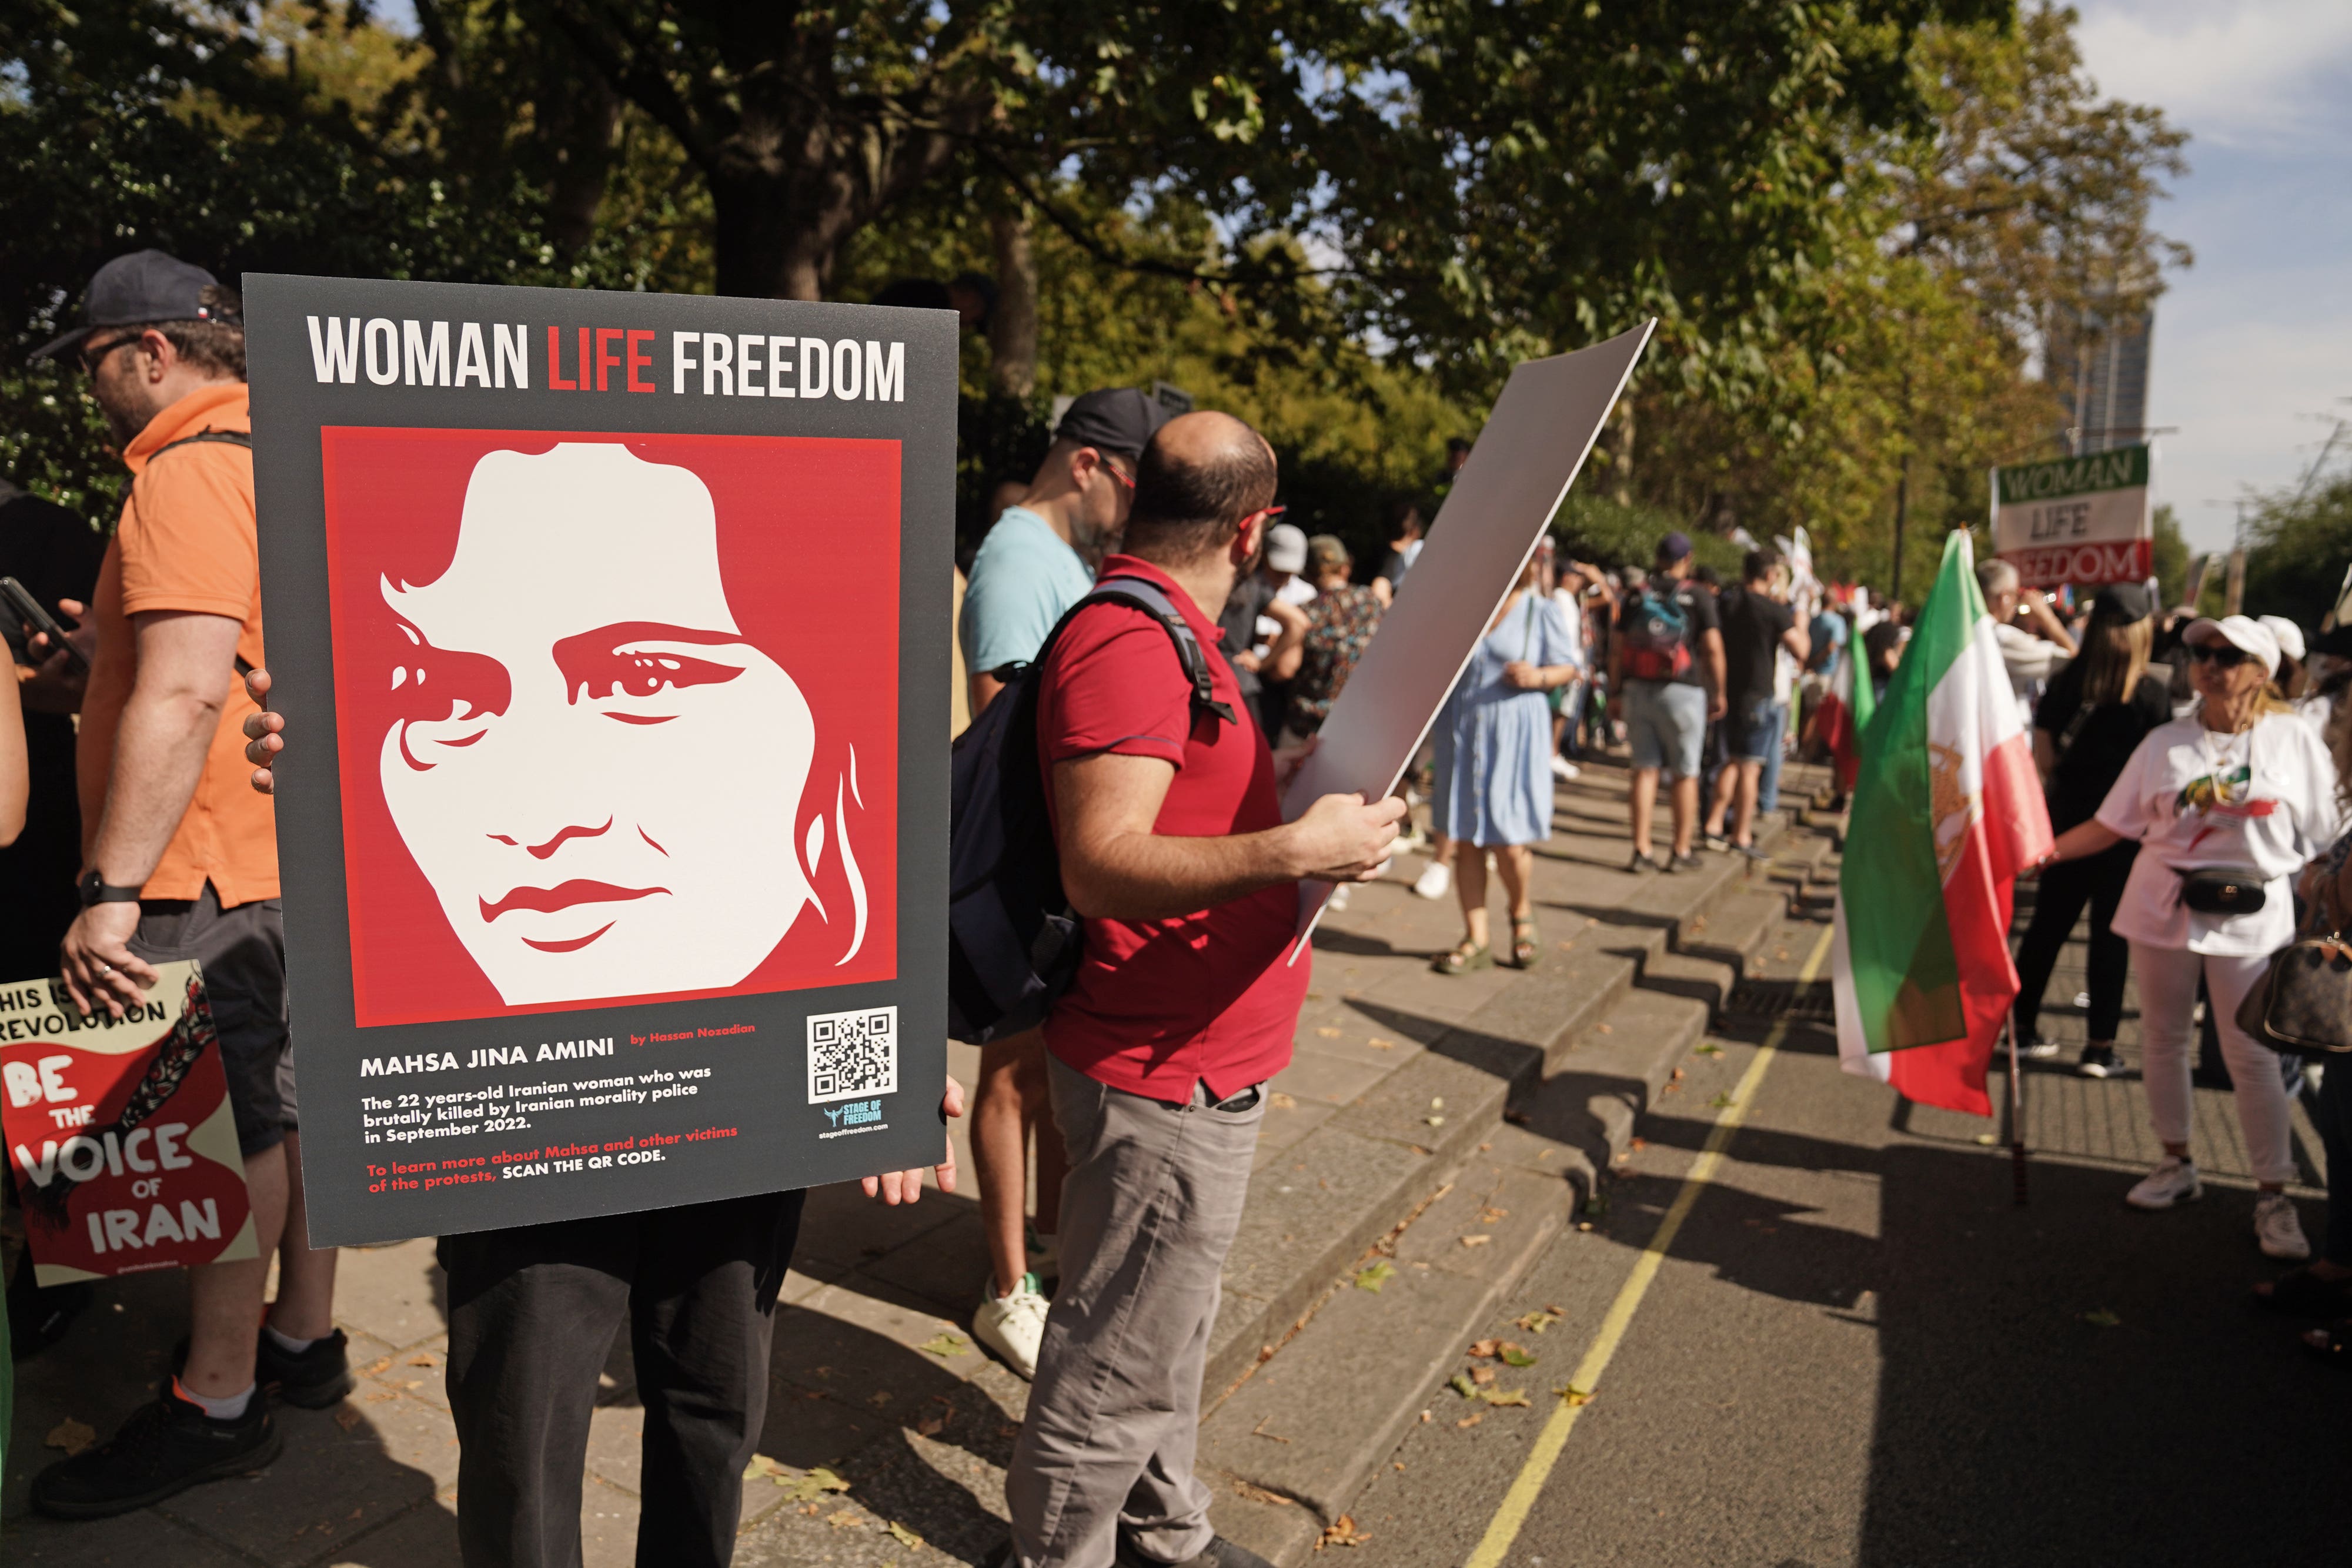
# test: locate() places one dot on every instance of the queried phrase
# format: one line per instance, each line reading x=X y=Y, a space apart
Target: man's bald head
x=1202 y=475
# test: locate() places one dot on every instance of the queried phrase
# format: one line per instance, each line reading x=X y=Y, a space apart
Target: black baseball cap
x=137 y=290
x=1118 y=419
x=2125 y=601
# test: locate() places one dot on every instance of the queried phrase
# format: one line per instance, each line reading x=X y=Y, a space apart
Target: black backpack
x=1013 y=941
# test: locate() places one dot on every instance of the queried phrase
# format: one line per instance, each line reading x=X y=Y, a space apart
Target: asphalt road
x=1858 y=1350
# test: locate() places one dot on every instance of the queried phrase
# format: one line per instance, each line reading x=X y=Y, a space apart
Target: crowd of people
x=2173 y=746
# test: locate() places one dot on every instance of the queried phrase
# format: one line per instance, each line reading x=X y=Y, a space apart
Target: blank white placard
x=1533 y=446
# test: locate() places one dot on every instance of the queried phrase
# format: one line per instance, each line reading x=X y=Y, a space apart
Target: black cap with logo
x=137 y=290
x=1119 y=420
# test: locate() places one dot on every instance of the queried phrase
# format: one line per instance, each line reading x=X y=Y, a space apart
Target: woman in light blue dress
x=1494 y=780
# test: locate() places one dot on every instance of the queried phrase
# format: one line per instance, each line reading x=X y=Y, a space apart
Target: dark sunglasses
x=2228 y=655
x=92 y=359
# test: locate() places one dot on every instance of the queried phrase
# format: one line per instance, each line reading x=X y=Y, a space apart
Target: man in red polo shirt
x=1174 y=848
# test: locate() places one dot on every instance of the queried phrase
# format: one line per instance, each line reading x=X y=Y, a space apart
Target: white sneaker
x=2279 y=1229
x=1435 y=879
x=1562 y=768
x=2173 y=1181
x=1014 y=1327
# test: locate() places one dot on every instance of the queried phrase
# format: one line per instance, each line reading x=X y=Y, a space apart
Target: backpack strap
x=1139 y=593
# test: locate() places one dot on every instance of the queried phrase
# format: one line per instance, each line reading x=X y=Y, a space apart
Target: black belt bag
x=2224 y=889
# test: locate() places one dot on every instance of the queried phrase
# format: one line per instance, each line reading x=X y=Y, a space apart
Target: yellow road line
x=1504 y=1528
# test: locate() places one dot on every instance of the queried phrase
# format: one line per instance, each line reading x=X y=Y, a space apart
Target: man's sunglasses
x=92 y=357
x=2226 y=654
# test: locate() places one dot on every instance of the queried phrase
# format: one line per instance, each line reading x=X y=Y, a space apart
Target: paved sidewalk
x=887 y=1429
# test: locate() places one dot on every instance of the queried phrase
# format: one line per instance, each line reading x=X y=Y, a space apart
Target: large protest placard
x=2077 y=519
x=1529 y=452
x=611 y=631
x=119 y=1131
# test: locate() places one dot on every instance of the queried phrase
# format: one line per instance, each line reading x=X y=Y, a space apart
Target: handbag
x=2303 y=1004
x=2224 y=889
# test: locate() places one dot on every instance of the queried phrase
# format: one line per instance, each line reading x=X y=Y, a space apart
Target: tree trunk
x=587 y=128
x=1013 y=328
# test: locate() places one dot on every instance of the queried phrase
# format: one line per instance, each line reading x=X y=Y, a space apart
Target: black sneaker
x=2098 y=1061
x=314 y=1378
x=164 y=1448
x=1219 y=1554
x=1716 y=841
x=1646 y=863
x=1683 y=860
x=2038 y=1049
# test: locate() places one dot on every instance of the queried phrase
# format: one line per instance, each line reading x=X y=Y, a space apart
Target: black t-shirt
x=2092 y=758
x=1697 y=602
x=56 y=555
x=1239 y=623
x=1752 y=627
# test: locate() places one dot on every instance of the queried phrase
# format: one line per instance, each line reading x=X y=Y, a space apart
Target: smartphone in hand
x=25 y=609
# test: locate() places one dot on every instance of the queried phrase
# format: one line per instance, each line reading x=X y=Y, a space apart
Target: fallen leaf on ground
x=1460 y=1382
x=1517 y=1355
x=1710 y=1048
x=1574 y=1394
x=2100 y=1318
x=847 y=1519
x=1722 y=1102
x=1987 y=1139
x=1375 y=1275
x=1471 y=1420
x=1381 y=1044
x=1678 y=1075
x=1328 y=1034
x=422 y=1360
x=879 y=1398
x=1516 y=1118
x=1259 y=1494
x=929 y=1425
x=946 y=1344
x=1482 y=1375
x=904 y=1536
x=1604 y=1029
x=1536 y=1322
x=807 y=1489
x=1282 y=1102
x=347 y=1417
x=1434 y=1121
x=1639 y=1143
x=413 y=1383
x=762 y=1465
x=1506 y=1396
x=382 y=1363
x=1486 y=1348
x=1476 y=1240
x=71 y=1435
x=1489 y=1216
x=1342 y=1532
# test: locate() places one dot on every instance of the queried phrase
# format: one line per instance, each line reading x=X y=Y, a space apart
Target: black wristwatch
x=95 y=890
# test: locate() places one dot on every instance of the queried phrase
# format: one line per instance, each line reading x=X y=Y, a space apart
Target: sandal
x=2307 y=1295
x=1469 y=955
x=1523 y=941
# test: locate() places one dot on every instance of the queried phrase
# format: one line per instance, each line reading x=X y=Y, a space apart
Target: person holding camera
x=2227 y=805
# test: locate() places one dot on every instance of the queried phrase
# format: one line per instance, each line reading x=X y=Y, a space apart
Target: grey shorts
x=1665 y=725
x=243 y=951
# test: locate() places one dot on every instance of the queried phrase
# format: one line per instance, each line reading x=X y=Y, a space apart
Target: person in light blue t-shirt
x=1035 y=563
x=1038 y=560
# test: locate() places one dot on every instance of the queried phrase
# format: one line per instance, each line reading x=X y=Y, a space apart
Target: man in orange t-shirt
x=180 y=858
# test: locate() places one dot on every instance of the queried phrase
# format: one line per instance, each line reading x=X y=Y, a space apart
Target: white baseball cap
x=1286 y=548
x=2289 y=636
x=2239 y=632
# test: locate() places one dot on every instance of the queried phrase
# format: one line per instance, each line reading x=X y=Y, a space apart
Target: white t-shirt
x=2195 y=800
x=1572 y=611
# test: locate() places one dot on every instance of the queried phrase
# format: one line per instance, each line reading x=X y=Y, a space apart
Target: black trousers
x=2065 y=888
x=532 y=1312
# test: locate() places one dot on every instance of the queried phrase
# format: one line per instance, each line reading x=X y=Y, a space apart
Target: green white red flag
x=1844 y=714
x=1948 y=809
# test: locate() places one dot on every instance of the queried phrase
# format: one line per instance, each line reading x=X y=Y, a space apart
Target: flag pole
x=2016 y=1113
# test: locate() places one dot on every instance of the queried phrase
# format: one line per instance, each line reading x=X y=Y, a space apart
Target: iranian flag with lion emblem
x=1948 y=809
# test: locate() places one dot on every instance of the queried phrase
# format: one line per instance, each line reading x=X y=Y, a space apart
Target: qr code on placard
x=853 y=1053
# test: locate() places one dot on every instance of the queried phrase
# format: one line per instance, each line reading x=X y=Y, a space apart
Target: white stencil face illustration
x=603 y=787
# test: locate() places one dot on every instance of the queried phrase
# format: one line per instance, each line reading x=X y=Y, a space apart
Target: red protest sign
x=120 y=1131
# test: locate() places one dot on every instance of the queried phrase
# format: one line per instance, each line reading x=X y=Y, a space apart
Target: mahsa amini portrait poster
x=612 y=635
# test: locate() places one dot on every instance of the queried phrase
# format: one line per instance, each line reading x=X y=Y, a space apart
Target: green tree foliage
x=2299 y=545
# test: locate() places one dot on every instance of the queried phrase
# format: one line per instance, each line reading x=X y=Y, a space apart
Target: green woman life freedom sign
x=2083 y=520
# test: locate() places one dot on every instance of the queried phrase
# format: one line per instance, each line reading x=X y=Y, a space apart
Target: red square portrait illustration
x=618 y=715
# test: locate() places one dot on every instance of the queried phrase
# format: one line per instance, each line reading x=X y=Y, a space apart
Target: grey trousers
x=1148 y=1211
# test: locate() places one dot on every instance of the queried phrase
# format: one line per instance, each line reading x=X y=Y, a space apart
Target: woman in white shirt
x=2240 y=784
